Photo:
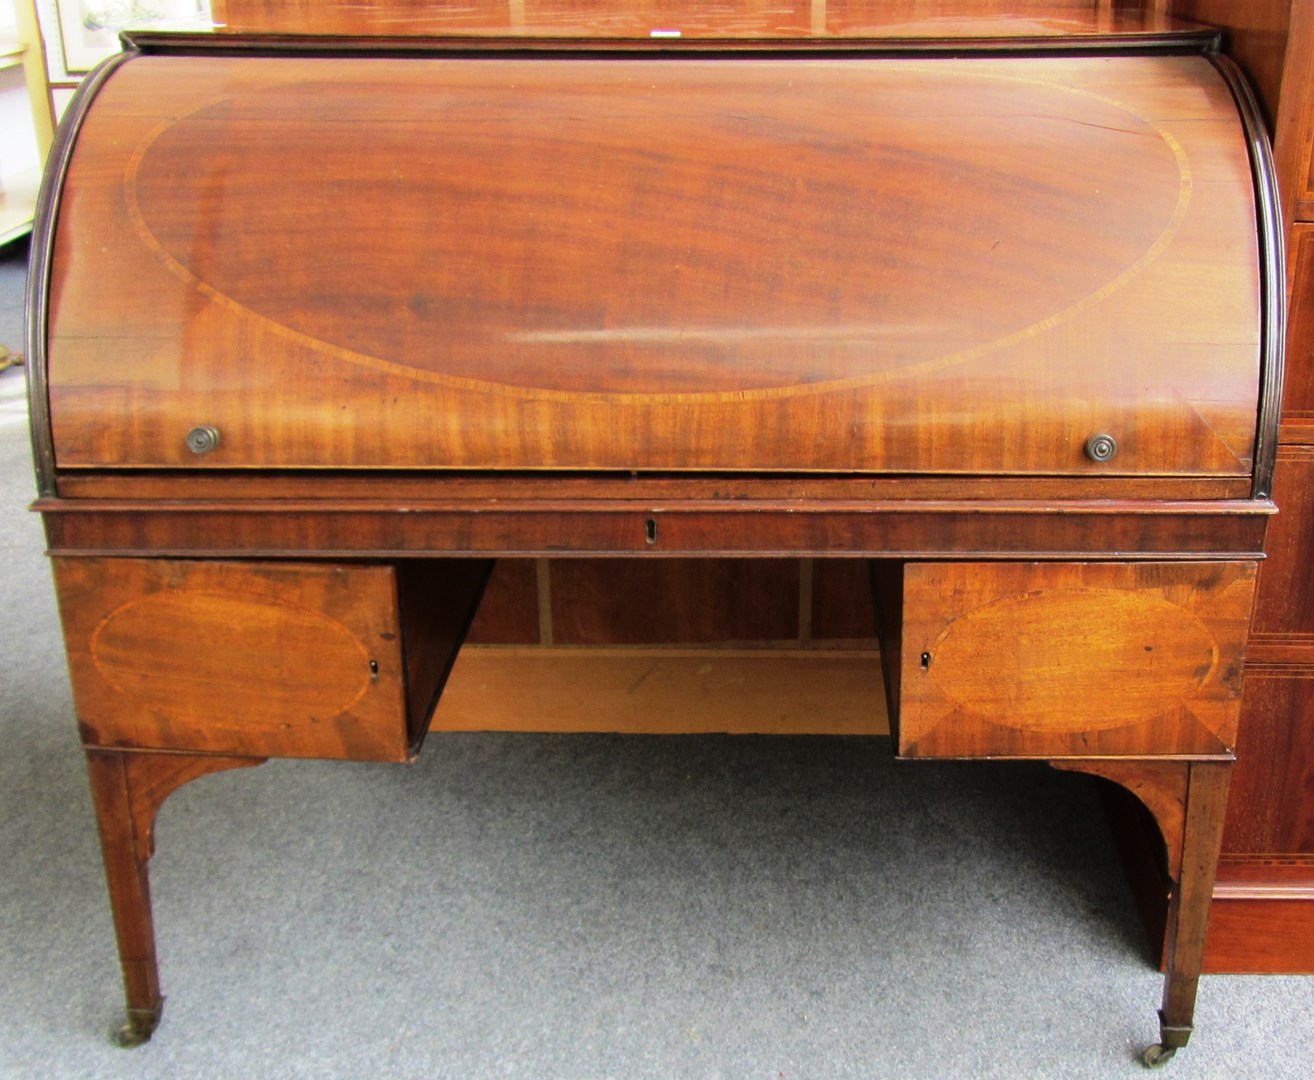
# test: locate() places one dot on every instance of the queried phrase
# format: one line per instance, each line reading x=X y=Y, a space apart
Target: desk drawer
x=265 y=659
x=1072 y=659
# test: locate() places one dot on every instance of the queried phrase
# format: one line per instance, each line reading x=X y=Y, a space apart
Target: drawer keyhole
x=374 y=671
x=926 y=660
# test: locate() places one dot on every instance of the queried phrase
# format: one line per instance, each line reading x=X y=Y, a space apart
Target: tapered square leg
x=1188 y=911
x=128 y=788
x=1188 y=800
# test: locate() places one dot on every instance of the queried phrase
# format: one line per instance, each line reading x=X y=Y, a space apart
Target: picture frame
x=89 y=29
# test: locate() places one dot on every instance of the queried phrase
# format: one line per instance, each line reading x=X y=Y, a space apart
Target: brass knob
x=1101 y=447
x=201 y=440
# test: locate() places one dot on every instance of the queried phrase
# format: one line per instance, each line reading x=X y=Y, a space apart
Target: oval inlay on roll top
x=1056 y=660
x=743 y=234
x=197 y=652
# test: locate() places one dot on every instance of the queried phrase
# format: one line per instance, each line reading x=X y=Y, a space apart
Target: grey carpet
x=13 y=263
x=580 y=907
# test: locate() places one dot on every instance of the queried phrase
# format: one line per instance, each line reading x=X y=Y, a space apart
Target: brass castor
x=1157 y=1055
x=140 y=1027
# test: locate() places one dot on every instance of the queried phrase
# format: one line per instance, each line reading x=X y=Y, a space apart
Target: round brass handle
x=1101 y=447
x=201 y=440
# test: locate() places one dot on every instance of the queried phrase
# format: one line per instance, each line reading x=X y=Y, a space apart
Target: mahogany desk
x=321 y=326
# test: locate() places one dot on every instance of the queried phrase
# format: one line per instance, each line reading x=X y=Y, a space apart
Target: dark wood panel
x=1295 y=120
x=508 y=613
x=437 y=599
x=643 y=602
x=1250 y=874
x=1298 y=390
x=1272 y=804
x=1294 y=135
x=1277 y=651
x=841 y=600
x=759 y=529
x=1261 y=934
x=555 y=486
x=1284 y=605
x=886 y=588
x=1071 y=660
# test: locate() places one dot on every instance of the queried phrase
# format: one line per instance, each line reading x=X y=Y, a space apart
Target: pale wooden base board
x=665 y=691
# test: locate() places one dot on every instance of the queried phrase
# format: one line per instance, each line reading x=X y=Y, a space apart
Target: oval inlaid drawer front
x=255 y=659
x=705 y=285
x=250 y=655
x=1056 y=656
x=1054 y=660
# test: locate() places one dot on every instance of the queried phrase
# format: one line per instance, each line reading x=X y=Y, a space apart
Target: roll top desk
x=323 y=325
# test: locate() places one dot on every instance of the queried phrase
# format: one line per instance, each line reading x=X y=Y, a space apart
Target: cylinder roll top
x=1026 y=265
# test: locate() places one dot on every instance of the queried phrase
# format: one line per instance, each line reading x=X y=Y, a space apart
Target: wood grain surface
x=235 y=658
x=1298 y=395
x=1270 y=814
x=1072 y=660
x=437 y=600
x=1284 y=605
x=668 y=691
x=961 y=266
x=1131 y=530
x=673 y=601
x=509 y=611
x=127 y=790
x=1256 y=38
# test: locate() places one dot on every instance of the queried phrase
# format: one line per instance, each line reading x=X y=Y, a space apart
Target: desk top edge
x=669 y=28
x=1183 y=39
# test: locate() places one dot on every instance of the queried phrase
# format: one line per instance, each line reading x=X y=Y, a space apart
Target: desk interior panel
x=674 y=601
x=841 y=601
x=508 y=613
